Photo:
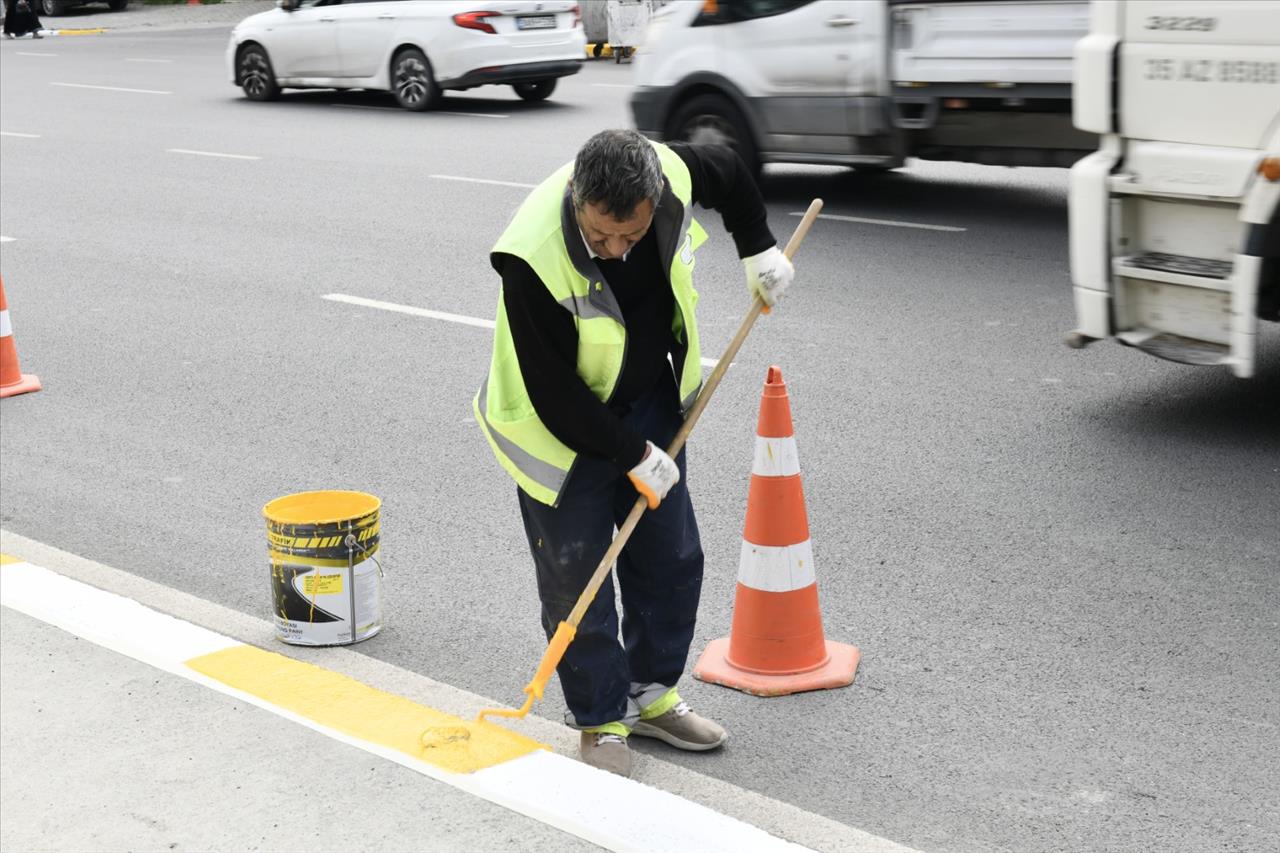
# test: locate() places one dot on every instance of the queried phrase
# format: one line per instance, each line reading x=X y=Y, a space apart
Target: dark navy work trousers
x=659 y=574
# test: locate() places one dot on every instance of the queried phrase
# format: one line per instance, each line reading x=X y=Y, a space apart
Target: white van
x=866 y=83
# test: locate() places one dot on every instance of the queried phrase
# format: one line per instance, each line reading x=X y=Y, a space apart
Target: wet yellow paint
x=5 y=560
x=360 y=711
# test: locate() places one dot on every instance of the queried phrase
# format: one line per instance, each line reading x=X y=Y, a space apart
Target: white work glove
x=769 y=274
x=655 y=475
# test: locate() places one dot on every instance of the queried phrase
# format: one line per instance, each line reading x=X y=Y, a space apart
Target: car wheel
x=253 y=71
x=52 y=8
x=117 y=5
x=412 y=82
x=539 y=90
x=714 y=119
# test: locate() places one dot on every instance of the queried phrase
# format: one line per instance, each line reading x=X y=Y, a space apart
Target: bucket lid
x=320 y=507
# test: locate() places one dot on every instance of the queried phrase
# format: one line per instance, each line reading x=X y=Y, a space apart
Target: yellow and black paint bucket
x=326 y=572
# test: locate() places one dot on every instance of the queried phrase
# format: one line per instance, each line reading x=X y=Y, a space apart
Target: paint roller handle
x=560 y=641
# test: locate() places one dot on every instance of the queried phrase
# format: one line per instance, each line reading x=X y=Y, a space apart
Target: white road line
x=476 y=115
x=545 y=786
x=615 y=85
x=29 y=53
x=781 y=819
x=111 y=88
x=437 y=112
x=478 y=322
x=895 y=223
x=482 y=181
x=20 y=135
x=4 y=239
x=132 y=59
x=212 y=154
x=368 y=107
x=409 y=309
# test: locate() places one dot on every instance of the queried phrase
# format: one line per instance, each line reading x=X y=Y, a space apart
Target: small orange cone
x=776 y=645
x=12 y=379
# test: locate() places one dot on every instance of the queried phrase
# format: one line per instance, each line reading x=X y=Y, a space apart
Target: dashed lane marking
x=211 y=154
x=482 y=181
x=140 y=59
x=436 y=112
x=411 y=310
x=891 y=222
x=494 y=764
x=4 y=239
x=19 y=135
x=32 y=53
x=478 y=322
x=471 y=115
x=111 y=88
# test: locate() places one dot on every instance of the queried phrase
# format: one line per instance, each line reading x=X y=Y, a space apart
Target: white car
x=414 y=49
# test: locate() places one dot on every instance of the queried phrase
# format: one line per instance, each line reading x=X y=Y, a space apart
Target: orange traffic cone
x=12 y=379
x=775 y=645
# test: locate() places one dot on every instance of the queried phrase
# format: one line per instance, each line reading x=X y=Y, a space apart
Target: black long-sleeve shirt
x=546 y=339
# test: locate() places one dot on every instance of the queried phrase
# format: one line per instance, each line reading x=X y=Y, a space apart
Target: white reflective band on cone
x=773 y=569
x=776 y=457
x=5 y=329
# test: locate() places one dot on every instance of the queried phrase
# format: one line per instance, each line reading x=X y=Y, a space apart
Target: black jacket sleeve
x=722 y=182
x=546 y=343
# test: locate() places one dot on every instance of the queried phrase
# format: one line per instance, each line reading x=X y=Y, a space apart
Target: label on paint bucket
x=326 y=606
x=321 y=585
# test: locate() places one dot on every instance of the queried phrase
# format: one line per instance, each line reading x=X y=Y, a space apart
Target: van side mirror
x=287 y=5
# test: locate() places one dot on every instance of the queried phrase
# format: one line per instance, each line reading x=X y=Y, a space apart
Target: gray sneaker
x=683 y=729
x=606 y=751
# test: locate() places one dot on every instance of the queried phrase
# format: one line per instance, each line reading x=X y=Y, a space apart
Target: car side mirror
x=287 y=5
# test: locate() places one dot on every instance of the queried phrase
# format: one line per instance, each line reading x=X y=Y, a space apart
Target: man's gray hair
x=616 y=170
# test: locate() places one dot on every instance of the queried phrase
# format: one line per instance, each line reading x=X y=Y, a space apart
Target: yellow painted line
x=5 y=560
x=363 y=712
x=82 y=32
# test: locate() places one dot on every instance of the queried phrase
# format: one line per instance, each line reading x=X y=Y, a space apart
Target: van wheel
x=538 y=90
x=714 y=119
x=52 y=8
x=257 y=79
x=412 y=82
x=117 y=5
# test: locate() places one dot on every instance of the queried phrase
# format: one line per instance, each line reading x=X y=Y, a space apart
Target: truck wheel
x=538 y=90
x=714 y=118
x=117 y=5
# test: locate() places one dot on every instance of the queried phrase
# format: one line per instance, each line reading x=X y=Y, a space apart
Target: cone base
x=714 y=668
x=26 y=384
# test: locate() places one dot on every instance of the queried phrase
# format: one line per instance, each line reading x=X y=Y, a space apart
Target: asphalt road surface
x=1061 y=567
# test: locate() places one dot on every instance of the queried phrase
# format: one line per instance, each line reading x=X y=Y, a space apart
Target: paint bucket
x=326 y=578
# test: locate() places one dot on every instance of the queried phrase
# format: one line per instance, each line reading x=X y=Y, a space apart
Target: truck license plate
x=536 y=22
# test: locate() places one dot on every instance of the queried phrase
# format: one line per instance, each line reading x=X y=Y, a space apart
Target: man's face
x=612 y=238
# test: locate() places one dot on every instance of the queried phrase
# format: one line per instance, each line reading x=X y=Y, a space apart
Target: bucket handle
x=351 y=542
